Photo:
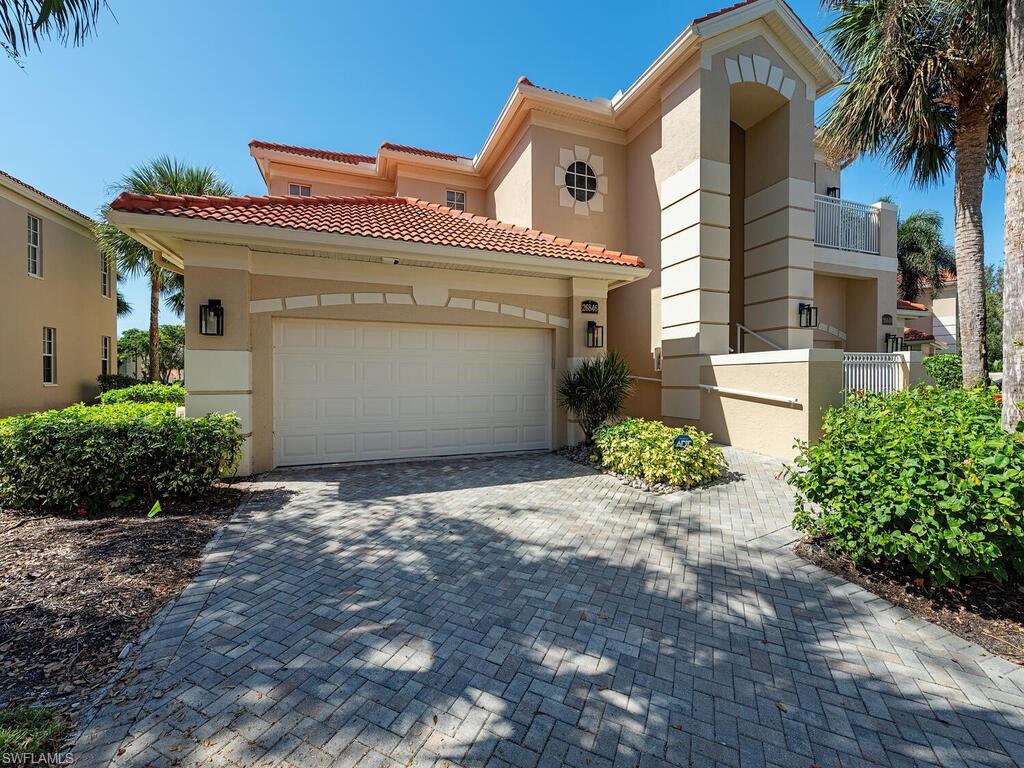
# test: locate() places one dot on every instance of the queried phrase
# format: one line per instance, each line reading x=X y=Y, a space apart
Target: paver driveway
x=528 y=611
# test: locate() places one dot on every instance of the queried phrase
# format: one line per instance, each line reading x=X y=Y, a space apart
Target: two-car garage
x=355 y=391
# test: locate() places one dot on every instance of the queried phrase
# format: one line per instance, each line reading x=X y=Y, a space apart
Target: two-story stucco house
x=419 y=303
x=58 y=306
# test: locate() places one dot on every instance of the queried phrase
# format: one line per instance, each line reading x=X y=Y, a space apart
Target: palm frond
x=24 y=23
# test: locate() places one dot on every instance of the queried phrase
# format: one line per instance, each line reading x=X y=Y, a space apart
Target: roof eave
x=153 y=230
x=68 y=214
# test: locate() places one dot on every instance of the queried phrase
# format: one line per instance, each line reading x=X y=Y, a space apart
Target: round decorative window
x=581 y=181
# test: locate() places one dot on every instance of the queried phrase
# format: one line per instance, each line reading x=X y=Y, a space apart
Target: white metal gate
x=872 y=372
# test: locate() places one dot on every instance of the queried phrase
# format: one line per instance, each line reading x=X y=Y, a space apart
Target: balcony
x=845 y=225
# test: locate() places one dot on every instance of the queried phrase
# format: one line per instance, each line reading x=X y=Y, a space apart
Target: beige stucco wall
x=510 y=190
x=435 y=189
x=329 y=182
x=259 y=287
x=814 y=377
x=67 y=298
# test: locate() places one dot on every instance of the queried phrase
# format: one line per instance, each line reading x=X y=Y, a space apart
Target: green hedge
x=106 y=457
x=945 y=370
x=146 y=393
x=109 y=381
x=645 y=449
x=925 y=478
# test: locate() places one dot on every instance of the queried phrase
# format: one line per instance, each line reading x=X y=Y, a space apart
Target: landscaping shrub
x=945 y=370
x=112 y=456
x=642 y=448
x=925 y=478
x=146 y=393
x=595 y=391
x=114 y=381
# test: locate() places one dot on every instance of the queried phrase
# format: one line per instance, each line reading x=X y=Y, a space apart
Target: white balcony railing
x=845 y=225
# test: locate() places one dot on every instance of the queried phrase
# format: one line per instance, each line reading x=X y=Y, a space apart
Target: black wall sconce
x=886 y=319
x=893 y=343
x=808 y=316
x=595 y=335
x=211 y=318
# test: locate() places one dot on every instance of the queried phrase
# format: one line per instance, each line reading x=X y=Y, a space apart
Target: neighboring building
x=931 y=320
x=58 y=307
x=374 y=306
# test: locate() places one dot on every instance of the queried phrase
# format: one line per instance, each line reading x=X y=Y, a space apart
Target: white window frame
x=104 y=355
x=50 y=353
x=34 y=241
x=455 y=199
x=104 y=277
x=299 y=190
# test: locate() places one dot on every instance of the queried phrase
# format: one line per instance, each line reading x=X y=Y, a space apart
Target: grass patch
x=35 y=730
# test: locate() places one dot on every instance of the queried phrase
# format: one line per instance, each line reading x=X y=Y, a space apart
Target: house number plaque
x=588 y=307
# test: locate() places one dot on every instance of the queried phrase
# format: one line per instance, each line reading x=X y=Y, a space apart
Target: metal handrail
x=741 y=328
x=792 y=402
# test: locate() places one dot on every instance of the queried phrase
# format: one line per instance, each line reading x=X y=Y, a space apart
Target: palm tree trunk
x=154 y=326
x=1013 y=267
x=969 y=239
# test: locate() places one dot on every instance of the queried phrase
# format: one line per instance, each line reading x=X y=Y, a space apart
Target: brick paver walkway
x=527 y=611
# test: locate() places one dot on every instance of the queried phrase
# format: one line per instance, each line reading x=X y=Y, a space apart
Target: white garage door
x=349 y=391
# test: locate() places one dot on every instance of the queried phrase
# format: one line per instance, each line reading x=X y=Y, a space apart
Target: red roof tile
x=912 y=334
x=424 y=152
x=322 y=154
x=387 y=218
x=902 y=304
x=39 y=192
x=722 y=11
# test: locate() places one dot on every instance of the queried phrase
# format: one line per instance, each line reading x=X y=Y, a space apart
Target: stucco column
x=888 y=216
x=694 y=281
x=218 y=369
x=779 y=263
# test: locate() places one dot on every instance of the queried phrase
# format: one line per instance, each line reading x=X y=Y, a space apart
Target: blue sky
x=199 y=79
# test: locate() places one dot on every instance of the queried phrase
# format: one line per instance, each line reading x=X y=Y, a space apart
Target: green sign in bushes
x=647 y=449
x=109 y=457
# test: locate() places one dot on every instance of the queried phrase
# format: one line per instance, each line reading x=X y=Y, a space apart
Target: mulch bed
x=980 y=609
x=75 y=590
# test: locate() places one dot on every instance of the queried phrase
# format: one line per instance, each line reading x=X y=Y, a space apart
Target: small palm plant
x=595 y=391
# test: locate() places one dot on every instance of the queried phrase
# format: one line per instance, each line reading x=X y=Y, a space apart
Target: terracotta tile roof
x=39 y=192
x=322 y=154
x=902 y=304
x=524 y=80
x=913 y=335
x=387 y=218
x=424 y=152
x=722 y=11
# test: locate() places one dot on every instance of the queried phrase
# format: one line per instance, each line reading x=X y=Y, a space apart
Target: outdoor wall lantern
x=893 y=343
x=886 y=319
x=211 y=318
x=595 y=335
x=808 y=316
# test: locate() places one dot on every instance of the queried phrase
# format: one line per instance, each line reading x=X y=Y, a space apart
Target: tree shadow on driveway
x=561 y=619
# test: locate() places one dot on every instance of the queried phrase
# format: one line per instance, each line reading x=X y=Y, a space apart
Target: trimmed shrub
x=146 y=393
x=114 y=381
x=642 y=448
x=595 y=391
x=925 y=478
x=108 y=457
x=945 y=370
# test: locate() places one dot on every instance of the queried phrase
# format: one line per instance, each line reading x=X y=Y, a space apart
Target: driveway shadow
x=558 y=619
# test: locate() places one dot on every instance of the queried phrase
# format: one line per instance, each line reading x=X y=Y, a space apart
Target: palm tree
x=926 y=89
x=922 y=256
x=23 y=23
x=1013 y=259
x=167 y=176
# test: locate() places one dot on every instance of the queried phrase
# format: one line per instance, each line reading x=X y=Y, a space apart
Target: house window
x=35 y=253
x=49 y=355
x=104 y=276
x=581 y=181
x=300 y=190
x=455 y=199
x=105 y=355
